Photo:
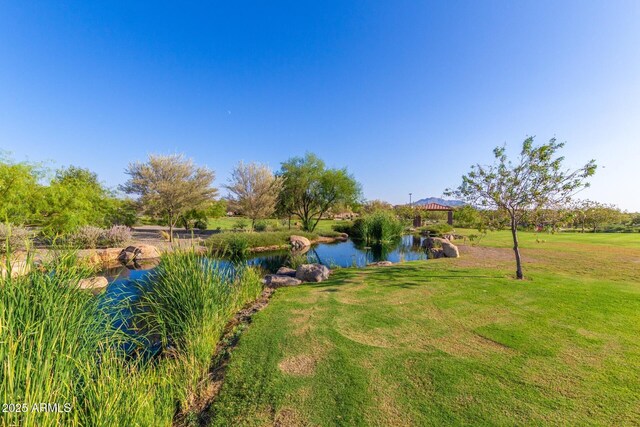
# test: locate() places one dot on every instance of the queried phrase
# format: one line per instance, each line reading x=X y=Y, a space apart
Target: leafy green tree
x=467 y=217
x=194 y=218
x=169 y=186
x=75 y=198
x=371 y=206
x=594 y=215
x=122 y=212
x=310 y=189
x=406 y=212
x=217 y=209
x=536 y=181
x=21 y=194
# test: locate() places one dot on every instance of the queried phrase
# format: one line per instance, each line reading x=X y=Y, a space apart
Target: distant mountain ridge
x=439 y=201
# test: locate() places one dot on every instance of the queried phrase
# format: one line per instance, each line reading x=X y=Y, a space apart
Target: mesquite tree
x=169 y=186
x=253 y=190
x=536 y=181
x=310 y=190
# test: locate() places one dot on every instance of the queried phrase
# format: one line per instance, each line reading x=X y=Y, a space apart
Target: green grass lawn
x=503 y=239
x=447 y=341
x=228 y=223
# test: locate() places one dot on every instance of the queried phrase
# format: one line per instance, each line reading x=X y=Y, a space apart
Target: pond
x=122 y=280
x=338 y=254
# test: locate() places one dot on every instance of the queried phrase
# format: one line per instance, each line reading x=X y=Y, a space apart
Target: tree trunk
x=516 y=249
x=170 y=228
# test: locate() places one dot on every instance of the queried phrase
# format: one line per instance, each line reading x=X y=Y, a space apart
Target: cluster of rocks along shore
x=289 y=277
x=437 y=247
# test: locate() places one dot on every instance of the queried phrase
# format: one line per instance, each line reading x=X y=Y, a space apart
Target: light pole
x=410 y=199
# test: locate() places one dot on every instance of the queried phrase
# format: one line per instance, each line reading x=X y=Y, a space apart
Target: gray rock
x=279 y=281
x=429 y=243
x=286 y=271
x=435 y=253
x=128 y=254
x=312 y=273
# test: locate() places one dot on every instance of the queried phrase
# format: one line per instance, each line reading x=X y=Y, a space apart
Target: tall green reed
x=58 y=343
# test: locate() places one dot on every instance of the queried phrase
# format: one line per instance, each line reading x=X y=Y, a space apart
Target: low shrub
x=13 y=238
x=436 y=229
x=240 y=225
x=260 y=226
x=86 y=236
x=342 y=227
x=116 y=235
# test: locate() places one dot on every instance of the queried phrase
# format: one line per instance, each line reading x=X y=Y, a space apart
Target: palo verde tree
x=169 y=186
x=310 y=189
x=253 y=190
x=75 y=197
x=21 y=195
x=536 y=181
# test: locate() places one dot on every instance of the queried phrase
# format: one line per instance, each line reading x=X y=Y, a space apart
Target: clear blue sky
x=406 y=94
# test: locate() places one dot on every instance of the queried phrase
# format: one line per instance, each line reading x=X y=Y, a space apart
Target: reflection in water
x=127 y=283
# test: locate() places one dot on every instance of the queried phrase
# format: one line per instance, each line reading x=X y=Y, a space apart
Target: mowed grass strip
x=446 y=342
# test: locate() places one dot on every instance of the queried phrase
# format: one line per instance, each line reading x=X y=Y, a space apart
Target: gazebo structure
x=436 y=207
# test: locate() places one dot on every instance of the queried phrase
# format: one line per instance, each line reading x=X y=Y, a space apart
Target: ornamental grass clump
x=191 y=300
x=377 y=228
x=116 y=235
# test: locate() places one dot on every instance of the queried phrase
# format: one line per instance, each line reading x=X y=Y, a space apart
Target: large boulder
x=109 y=255
x=439 y=247
x=279 y=281
x=147 y=252
x=342 y=237
x=286 y=271
x=138 y=253
x=97 y=282
x=312 y=273
x=298 y=243
x=449 y=249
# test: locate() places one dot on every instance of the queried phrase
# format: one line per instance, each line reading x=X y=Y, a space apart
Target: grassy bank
x=251 y=241
x=230 y=223
x=451 y=342
x=58 y=345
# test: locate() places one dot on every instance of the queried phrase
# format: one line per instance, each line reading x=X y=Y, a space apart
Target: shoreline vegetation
x=90 y=363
